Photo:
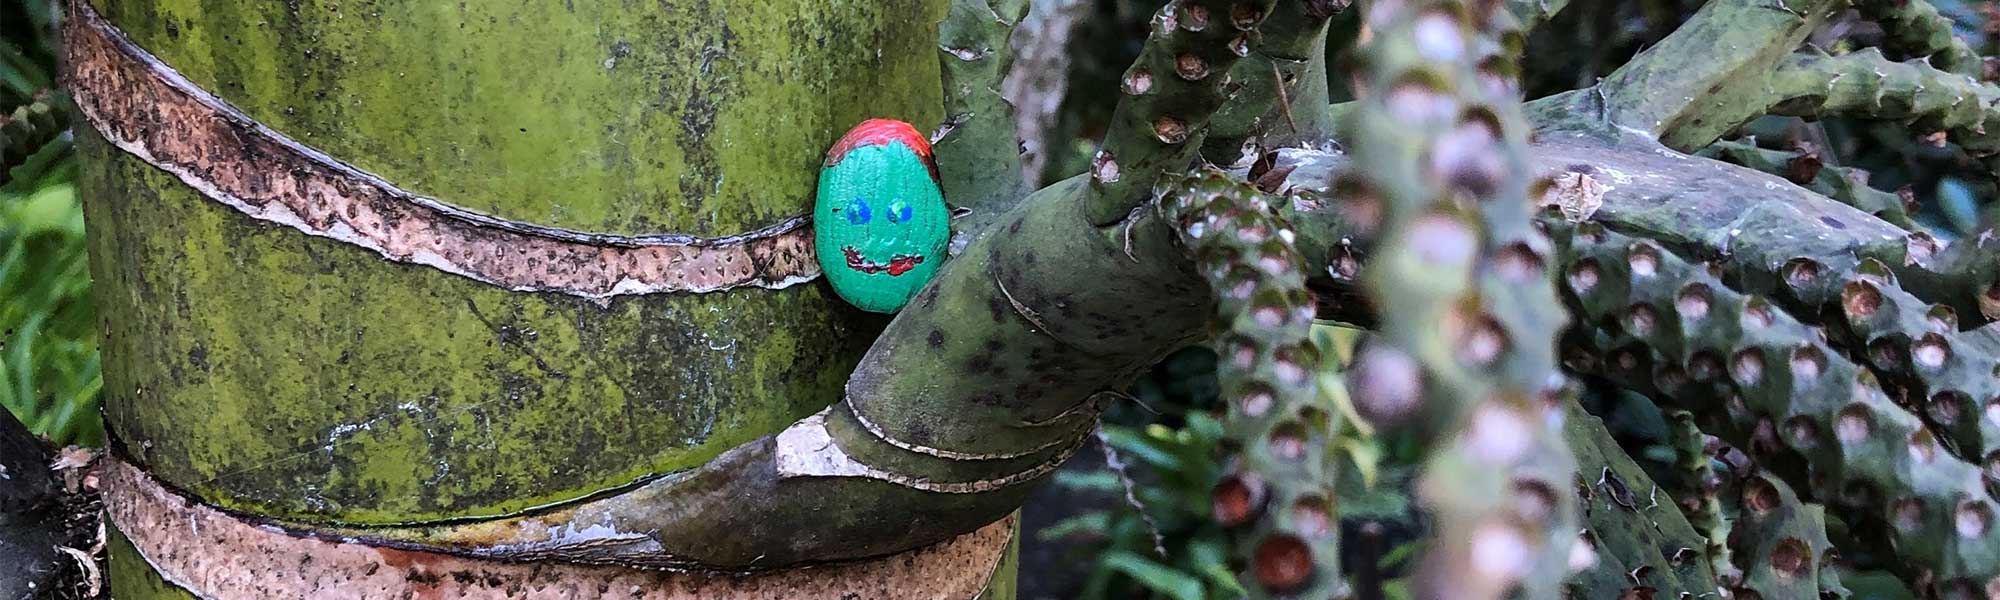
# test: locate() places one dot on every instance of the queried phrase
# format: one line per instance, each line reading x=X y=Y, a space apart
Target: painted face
x=879 y=223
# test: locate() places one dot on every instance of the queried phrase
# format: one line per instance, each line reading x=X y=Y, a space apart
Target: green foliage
x=48 y=339
x=1179 y=468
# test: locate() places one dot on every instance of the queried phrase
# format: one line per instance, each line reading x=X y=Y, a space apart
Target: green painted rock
x=880 y=223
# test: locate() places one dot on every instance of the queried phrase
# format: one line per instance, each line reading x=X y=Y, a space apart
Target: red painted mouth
x=899 y=265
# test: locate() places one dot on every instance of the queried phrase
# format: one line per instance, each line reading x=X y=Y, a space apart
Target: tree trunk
x=262 y=357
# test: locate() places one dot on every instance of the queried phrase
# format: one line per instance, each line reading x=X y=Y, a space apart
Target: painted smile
x=902 y=263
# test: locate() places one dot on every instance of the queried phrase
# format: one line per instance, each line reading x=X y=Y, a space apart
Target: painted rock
x=880 y=224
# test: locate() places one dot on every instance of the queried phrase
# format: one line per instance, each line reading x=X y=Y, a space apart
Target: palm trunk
x=263 y=358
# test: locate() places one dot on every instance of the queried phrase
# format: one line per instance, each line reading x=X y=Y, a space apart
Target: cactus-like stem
x=1467 y=315
x=1673 y=328
x=1915 y=29
x=1778 y=541
x=1866 y=84
x=1918 y=345
x=1685 y=89
x=1167 y=97
x=1532 y=13
x=1635 y=542
x=1278 y=496
x=1964 y=275
x=1846 y=184
x=1289 y=55
x=27 y=129
x=979 y=157
x=1702 y=504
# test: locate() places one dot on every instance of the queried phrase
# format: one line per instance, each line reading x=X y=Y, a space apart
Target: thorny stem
x=1865 y=84
x=1702 y=505
x=1915 y=29
x=1466 y=315
x=1167 y=98
x=1686 y=91
x=1847 y=184
x=1673 y=329
x=1779 y=542
x=1532 y=13
x=1278 y=496
x=1287 y=59
x=978 y=157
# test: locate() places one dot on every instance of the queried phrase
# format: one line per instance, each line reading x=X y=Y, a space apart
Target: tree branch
x=955 y=408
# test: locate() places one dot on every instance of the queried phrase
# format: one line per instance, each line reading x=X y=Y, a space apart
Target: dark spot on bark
x=1014 y=228
x=423 y=578
x=1832 y=222
x=1028 y=258
x=1583 y=168
x=936 y=339
x=997 y=306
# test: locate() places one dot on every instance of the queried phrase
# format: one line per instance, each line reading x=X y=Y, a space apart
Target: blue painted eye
x=899 y=212
x=857 y=211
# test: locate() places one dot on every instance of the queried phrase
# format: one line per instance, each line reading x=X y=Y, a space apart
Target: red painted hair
x=875 y=132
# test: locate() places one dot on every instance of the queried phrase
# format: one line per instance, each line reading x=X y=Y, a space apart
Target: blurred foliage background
x=48 y=337
x=1134 y=523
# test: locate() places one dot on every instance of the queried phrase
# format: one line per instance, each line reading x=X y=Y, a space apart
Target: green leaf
x=1090 y=523
x=1155 y=576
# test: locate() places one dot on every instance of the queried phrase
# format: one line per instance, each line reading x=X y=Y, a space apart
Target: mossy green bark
x=299 y=377
x=703 y=117
x=130 y=577
x=306 y=379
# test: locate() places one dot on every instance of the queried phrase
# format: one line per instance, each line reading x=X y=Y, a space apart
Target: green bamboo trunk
x=277 y=374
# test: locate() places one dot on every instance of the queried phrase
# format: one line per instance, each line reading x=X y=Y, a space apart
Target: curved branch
x=1694 y=459
x=949 y=415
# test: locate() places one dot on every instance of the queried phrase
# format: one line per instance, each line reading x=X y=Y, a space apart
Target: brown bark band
x=150 y=111
x=218 y=556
